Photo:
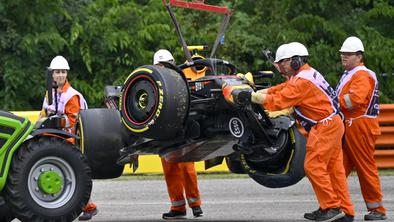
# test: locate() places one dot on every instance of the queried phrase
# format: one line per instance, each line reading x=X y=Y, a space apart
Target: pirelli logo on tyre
x=161 y=99
x=236 y=127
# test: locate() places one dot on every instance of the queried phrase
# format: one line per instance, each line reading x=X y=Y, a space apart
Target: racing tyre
x=49 y=180
x=292 y=169
x=102 y=135
x=234 y=164
x=5 y=212
x=155 y=102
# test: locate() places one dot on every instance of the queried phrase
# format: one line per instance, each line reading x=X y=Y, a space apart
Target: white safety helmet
x=352 y=44
x=163 y=55
x=280 y=53
x=295 y=49
x=59 y=62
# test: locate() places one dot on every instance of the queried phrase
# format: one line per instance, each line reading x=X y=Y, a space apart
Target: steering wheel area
x=215 y=66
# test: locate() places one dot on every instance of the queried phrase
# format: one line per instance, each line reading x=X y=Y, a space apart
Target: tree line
x=104 y=40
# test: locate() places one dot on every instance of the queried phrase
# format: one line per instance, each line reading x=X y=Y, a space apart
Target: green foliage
x=104 y=40
x=28 y=32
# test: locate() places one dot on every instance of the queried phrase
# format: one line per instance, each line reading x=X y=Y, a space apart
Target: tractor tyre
x=292 y=167
x=6 y=214
x=49 y=180
x=102 y=135
x=155 y=102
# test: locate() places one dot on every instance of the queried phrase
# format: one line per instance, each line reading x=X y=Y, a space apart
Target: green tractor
x=43 y=177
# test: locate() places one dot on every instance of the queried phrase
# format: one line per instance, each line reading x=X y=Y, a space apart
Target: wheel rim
x=279 y=163
x=50 y=182
x=141 y=100
x=58 y=170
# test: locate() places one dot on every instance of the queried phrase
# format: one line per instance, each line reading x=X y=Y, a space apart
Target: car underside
x=159 y=111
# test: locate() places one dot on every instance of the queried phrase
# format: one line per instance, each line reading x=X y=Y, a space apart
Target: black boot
x=197 y=212
x=375 y=215
x=312 y=215
x=329 y=215
x=174 y=215
x=346 y=218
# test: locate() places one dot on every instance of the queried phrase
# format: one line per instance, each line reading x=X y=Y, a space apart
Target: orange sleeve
x=291 y=94
x=72 y=109
x=276 y=88
x=359 y=91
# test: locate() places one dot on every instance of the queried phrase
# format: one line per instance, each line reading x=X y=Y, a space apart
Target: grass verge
x=215 y=175
x=219 y=175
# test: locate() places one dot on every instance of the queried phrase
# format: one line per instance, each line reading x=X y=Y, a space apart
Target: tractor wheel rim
x=50 y=182
x=60 y=171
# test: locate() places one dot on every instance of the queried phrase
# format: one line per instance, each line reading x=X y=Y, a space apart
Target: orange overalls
x=324 y=160
x=356 y=91
x=182 y=177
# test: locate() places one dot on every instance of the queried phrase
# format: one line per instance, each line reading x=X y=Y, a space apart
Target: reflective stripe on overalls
x=318 y=80
x=190 y=201
x=373 y=106
x=179 y=203
x=374 y=205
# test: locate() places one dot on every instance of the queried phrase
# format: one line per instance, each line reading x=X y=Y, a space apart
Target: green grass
x=201 y=176
x=386 y=172
x=382 y=172
x=218 y=175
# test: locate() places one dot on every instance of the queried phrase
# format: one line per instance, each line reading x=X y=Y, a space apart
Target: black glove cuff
x=244 y=97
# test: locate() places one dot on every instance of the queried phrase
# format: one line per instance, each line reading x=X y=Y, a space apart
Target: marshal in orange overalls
x=361 y=129
x=324 y=160
x=181 y=178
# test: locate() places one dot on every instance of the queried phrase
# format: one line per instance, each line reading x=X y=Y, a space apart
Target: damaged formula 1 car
x=159 y=111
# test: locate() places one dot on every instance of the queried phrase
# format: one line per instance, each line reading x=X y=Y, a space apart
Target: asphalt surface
x=125 y=200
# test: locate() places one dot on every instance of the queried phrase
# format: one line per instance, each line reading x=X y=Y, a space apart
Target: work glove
x=258 y=97
x=247 y=76
x=263 y=91
x=283 y=112
x=238 y=95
